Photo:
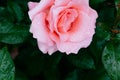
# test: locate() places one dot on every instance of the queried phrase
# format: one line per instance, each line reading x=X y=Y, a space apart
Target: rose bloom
x=64 y=25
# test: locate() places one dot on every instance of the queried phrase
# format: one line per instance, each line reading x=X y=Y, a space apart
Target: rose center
x=66 y=18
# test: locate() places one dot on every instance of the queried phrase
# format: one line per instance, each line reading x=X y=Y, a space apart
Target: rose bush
x=64 y=25
x=21 y=58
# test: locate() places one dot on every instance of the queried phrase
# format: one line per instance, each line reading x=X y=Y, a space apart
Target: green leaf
x=7 y=68
x=2 y=11
x=117 y=2
x=5 y=15
x=117 y=21
x=117 y=37
x=13 y=34
x=111 y=60
x=101 y=37
x=83 y=61
x=15 y=10
x=103 y=31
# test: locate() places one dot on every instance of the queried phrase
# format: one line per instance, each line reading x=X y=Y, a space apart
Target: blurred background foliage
x=20 y=58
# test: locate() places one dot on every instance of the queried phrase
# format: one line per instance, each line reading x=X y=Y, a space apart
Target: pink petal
x=61 y=2
x=81 y=28
x=54 y=36
x=64 y=36
x=73 y=47
x=84 y=2
x=45 y=48
x=93 y=16
x=32 y=5
x=68 y=47
x=53 y=17
x=65 y=19
x=43 y=5
x=81 y=5
x=40 y=30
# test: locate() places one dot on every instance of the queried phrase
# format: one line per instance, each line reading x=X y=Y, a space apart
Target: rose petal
x=61 y=2
x=68 y=47
x=81 y=28
x=65 y=20
x=80 y=5
x=39 y=29
x=93 y=15
x=54 y=36
x=42 y=5
x=64 y=36
x=31 y=5
x=53 y=17
x=73 y=47
x=45 y=48
x=83 y=2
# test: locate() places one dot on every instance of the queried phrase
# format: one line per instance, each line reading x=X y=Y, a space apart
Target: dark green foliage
x=111 y=60
x=7 y=69
x=100 y=61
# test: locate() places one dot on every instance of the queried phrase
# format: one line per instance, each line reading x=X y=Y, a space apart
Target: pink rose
x=64 y=25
